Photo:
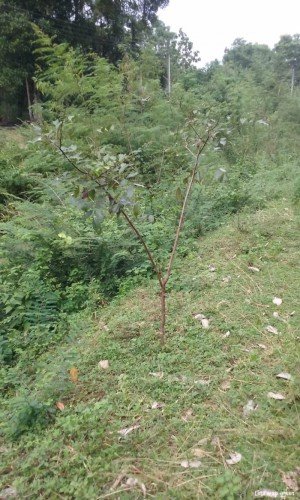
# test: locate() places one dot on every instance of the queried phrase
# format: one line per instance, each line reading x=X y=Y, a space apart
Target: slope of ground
x=160 y=421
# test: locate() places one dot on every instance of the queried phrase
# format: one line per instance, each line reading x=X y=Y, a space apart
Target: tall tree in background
x=109 y=28
x=288 y=59
x=16 y=63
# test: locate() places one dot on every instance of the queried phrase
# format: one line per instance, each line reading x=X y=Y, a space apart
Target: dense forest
x=128 y=174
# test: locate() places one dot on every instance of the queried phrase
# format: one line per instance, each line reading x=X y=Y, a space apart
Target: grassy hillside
x=161 y=422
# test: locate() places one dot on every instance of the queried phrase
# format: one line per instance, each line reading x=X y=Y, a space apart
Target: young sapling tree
x=109 y=178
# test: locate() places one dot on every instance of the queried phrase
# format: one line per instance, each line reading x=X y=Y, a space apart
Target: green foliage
x=287 y=52
x=228 y=486
x=28 y=415
x=109 y=146
x=62 y=248
x=103 y=402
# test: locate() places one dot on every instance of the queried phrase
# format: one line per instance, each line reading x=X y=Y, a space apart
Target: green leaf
x=92 y=194
x=136 y=210
x=179 y=194
x=76 y=192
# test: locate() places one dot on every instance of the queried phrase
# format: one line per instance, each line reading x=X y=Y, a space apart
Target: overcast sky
x=212 y=25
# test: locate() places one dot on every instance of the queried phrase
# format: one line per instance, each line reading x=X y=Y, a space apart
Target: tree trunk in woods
x=293 y=80
x=31 y=117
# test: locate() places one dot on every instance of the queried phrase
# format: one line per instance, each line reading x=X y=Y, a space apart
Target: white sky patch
x=214 y=24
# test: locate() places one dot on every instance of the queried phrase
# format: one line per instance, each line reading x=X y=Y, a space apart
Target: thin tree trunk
x=293 y=80
x=163 y=311
x=169 y=71
x=31 y=118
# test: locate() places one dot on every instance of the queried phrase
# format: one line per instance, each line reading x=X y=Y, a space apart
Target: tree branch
x=122 y=211
x=183 y=209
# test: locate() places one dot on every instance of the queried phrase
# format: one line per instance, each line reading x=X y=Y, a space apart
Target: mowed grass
x=183 y=401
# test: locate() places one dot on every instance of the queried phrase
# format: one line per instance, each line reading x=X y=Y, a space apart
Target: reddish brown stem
x=163 y=313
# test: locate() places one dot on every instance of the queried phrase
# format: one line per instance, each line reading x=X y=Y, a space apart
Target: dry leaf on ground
x=128 y=430
x=249 y=408
x=157 y=374
x=133 y=482
x=204 y=321
x=226 y=335
x=8 y=492
x=215 y=441
x=276 y=395
x=187 y=416
x=292 y=479
x=202 y=382
x=234 y=458
x=262 y=346
x=193 y=464
x=198 y=452
x=254 y=269
x=74 y=374
x=225 y=385
x=284 y=375
x=60 y=406
x=104 y=364
x=272 y=329
x=157 y=406
x=227 y=279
